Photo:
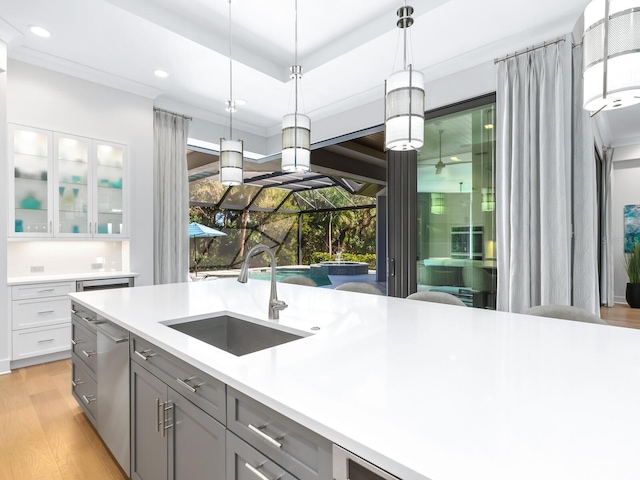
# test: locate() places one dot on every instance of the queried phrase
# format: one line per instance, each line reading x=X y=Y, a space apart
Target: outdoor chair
x=359 y=287
x=299 y=280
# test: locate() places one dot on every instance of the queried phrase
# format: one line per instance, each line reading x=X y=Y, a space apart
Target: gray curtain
x=171 y=198
x=533 y=170
x=586 y=292
x=606 y=249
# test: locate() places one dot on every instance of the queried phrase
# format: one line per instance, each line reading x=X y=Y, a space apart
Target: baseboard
x=5 y=366
x=52 y=357
x=622 y=300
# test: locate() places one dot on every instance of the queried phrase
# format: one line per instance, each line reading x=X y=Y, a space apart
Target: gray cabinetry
x=302 y=452
x=172 y=436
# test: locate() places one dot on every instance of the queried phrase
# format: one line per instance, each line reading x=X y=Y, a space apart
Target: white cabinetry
x=40 y=320
x=65 y=185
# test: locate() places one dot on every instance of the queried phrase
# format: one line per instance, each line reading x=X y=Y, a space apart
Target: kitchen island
x=422 y=390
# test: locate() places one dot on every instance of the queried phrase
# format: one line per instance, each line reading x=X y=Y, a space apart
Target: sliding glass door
x=456 y=237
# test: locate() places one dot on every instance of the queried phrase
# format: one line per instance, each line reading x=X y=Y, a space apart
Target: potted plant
x=632 y=264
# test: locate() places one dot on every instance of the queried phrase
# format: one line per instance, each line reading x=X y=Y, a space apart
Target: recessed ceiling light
x=455 y=159
x=40 y=31
x=488 y=126
x=160 y=73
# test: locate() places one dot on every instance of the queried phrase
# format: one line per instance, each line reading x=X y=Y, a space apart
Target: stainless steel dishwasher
x=113 y=390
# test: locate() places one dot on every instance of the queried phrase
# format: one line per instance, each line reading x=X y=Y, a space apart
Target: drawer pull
x=89 y=320
x=74 y=311
x=89 y=353
x=257 y=472
x=89 y=398
x=76 y=382
x=46 y=312
x=184 y=383
x=143 y=356
x=269 y=439
x=47 y=340
x=46 y=290
x=75 y=342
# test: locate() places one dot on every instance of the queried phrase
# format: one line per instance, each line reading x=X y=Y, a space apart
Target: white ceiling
x=347 y=48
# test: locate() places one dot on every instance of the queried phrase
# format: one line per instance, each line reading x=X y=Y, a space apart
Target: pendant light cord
x=295 y=59
x=230 y=105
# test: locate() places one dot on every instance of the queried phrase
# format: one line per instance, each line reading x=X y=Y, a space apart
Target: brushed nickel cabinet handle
x=266 y=437
x=256 y=472
x=191 y=388
x=88 y=353
x=46 y=290
x=47 y=340
x=45 y=312
x=167 y=406
x=89 y=398
x=143 y=356
x=158 y=405
x=76 y=382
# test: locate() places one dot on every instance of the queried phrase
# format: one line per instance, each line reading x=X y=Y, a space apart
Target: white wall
x=626 y=191
x=5 y=328
x=53 y=101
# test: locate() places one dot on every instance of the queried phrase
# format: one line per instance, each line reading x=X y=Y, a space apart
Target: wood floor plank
x=621 y=315
x=43 y=433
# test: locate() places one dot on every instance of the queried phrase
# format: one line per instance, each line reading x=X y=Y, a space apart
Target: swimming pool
x=319 y=277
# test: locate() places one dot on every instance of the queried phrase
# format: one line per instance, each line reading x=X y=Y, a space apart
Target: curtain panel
x=171 y=198
x=585 y=283
x=533 y=169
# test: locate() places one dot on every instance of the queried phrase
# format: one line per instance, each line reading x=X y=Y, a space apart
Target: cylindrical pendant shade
x=231 y=154
x=404 y=110
x=437 y=203
x=296 y=143
x=615 y=43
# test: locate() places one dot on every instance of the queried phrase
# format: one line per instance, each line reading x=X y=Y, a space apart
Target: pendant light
x=437 y=203
x=231 y=151
x=296 y=127
x=611 y=54
x=404 y=99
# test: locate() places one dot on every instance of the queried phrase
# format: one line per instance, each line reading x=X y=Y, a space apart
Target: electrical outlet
x=96 y=266
x=37 y=268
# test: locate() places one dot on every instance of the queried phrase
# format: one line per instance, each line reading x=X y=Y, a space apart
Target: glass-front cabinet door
x=72 y=192
x=109 y=198
x=65 y=186
x=31 y=195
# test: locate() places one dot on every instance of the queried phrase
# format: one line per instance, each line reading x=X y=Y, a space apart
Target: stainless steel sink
x=234 y=335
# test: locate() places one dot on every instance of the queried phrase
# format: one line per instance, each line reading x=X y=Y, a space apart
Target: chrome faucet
x=275 y=305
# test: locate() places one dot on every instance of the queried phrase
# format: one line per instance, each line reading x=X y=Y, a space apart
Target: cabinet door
x=72 y=187
x=148 y=437
x=31 y=190
x=109 y=198
x=196 y=442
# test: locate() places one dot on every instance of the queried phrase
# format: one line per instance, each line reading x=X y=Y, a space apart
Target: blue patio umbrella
x=197 y=230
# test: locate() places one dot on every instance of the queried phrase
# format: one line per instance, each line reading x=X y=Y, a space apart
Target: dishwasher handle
x=113 y=332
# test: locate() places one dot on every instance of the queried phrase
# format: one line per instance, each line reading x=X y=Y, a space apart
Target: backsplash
x=33 y=258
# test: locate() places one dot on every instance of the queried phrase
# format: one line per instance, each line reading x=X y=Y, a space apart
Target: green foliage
x=322 y=233
x=632 y=263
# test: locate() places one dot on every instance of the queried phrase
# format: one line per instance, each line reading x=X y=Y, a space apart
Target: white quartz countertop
x=423 y=390
x=68 y=276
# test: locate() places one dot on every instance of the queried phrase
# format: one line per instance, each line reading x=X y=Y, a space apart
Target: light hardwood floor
x=621 y=315
x=44 y=434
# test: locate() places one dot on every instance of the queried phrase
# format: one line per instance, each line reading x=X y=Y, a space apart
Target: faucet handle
x=278 y=304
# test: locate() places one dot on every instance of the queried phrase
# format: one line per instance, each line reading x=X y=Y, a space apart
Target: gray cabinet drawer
x=203 y=390
x=301 y=451
x=84 y=344
x=246 y=463
x=84 y=389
